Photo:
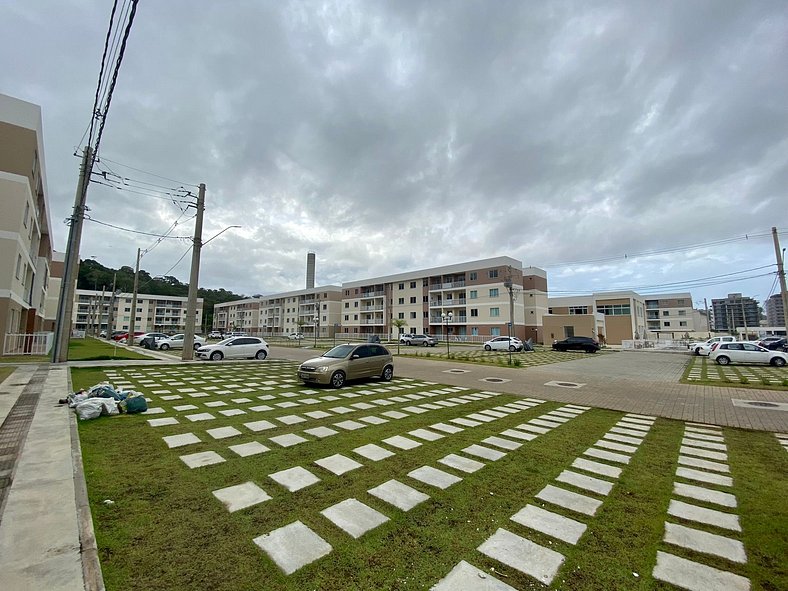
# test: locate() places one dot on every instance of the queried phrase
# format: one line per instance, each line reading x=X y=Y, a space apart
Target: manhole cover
x=495 y=380
x=456 y=371
x=766 y=404
x=760 y=404
x=564 y=384
x=572 y=384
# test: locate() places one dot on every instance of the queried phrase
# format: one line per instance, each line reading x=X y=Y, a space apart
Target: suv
x=176 y=342
x=346 y=362
x=418 y=339
x=746 y=352
x=704 y=348
x=586 y=344
x=149 y=340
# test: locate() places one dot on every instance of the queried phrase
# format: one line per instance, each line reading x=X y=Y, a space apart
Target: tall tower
x=310 y=270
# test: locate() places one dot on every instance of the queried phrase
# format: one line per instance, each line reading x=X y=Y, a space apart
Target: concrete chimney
x=310 y=270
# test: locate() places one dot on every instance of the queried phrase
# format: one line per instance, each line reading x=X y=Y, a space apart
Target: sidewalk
x=46 y=535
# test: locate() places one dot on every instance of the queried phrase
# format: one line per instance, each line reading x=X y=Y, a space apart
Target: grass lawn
x=700 y=370
x=87 y=349
x=167 y=531
x=475 y=354
x=5 y=372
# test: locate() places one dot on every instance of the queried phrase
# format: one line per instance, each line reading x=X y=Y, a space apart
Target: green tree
x=398 y=323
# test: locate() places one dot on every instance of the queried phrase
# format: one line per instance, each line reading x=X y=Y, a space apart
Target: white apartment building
x=155 y=313
x=670 y=315
x=25 y=243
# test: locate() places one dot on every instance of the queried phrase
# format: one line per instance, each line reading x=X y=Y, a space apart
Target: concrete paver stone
x=434 y=477
x=450 y=429
x=703 y=476
x=619 y=447
x=288 y=439
x=373 y=452
x=241 y=496
x=291 y=419
x=373 y=420
x=162 y=422
x=394 y=414
x=502 y=443
x=465 y=422
x=354 y=517
x=703 y=515
x=203 y=458
x=401 y=442
x=293 y=546
x=695 y=576
x=515 y=434
x=466 y=577
x=223 y=432
x=249 y=449
x=484 y=452
x=181 y=440
x=552 y=524
x=426 y=435
x=524 y=555
x=398 y=494
x=259 y=425
x=321 y=432
x=350 y=425
x=597 y=467
x=569 y=500
x=707 y=495
x=461 y=463
x=703 y=453
x=704 y=444
x=705 y=464
x=589 y=483
x=294 y=479
x=533 y=429
x=607 y=455
x=338 y=464
x=708 y=543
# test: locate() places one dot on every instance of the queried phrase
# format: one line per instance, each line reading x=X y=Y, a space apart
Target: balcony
x=372 y=294
x=374 y=321
x=375 y=308
x=455 y=319
x=448 y=285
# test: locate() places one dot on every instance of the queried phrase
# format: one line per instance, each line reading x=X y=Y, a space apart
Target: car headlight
x=323 y=369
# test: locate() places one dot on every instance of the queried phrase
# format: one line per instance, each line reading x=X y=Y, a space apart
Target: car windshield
x=339 y=352
x=225 y=341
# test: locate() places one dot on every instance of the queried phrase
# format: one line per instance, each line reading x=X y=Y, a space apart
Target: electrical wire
x=95 y=221
x=105 y=159
x=172 y=197
x=101 y=72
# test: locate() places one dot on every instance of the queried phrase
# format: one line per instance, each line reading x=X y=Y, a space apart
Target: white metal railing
x=656 y=344
x=38 y=343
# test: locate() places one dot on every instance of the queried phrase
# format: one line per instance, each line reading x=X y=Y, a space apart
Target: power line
x=95 y=221
x=106 y=169
x=172 y=197
x=105 y=159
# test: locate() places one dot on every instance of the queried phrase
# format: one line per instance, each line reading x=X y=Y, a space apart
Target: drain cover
x=760 y=404
x=495 y=380
x=456 y=371
x=564 y=384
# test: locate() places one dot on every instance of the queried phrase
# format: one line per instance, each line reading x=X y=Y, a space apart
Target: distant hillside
x=94 y=275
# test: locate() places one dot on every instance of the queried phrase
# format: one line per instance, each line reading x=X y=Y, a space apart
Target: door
x=754 y=354
x=360 y=367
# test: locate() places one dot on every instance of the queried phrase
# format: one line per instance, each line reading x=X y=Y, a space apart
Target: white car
x=726 y=353
x=214 y=334
x=176 y=342
x=235 y=348
x=504 y=344
x=295 y=336
x=704 y=348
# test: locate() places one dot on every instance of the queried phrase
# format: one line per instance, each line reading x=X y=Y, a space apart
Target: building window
x=666 y=312
x=425 y=282
x=27 y=211
x=682 y=312
x=494 y=312
x=474 y=312
x=401 y=286
x=683 y=323
x=614 y=309
x=400 y=300
x=473 y=294
x=355 y=304
x=495 y=332
x=569 y=331
x=347 y=304
x=413 y=300
x=413 y=315
x=355 y=316
x=681 y=302
x=492 y=273
x=666 y=323
x=578 y=309
x=347 y=317
x=425 y=299
x=401 y=315
x=494 y=292
x=549 y=310
x=18 y=265
x=472 y=275
x=413 y=285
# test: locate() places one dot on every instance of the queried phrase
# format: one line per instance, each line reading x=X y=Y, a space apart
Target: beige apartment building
x=155 y=313
x=25 y=242
x=311 y=310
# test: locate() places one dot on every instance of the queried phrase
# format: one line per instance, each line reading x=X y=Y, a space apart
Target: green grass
x=5 y=372
x=87 y=349
x=701 y=371
x=475 y=354
x=166 y=531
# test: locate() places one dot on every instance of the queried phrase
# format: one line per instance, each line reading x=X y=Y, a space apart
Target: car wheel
x=197 y=346
x=388 y=373
x=487 y=348
x=164 y=346
x=338 y=379
x=777 y=362
x=722 y=360
x=697 y=350
x=261 y=354
x=590 y=350
x=425 y=344
x=216 y=356
x=512 y=348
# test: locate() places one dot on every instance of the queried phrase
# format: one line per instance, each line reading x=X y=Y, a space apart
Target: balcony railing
x=372 y=294
x=377 y=308
x=446 y=303
x=376 y=321
x=455 y=319
x=448 y=285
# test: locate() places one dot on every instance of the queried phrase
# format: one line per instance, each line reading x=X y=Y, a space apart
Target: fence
x=658 y=345
x=39 y=343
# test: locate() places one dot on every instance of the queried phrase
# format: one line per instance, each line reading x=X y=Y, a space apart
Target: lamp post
x=446 y=318
x=317 y=328
x=336 y=328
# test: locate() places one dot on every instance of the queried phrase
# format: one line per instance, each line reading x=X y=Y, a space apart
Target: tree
x=398 y=323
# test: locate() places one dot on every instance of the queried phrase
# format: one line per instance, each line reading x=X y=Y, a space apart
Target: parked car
x=103 y=334
x=774 y=343
x=725 y=353
x=348 y=362
x=176 y=342
x=235 y=348
x=295 y=336
x=704 y=348
x=124 y=336
x=504 y=344
x=149 y=340
x=586 y=344
x=157 y=336
x=418 y=339
x=215 y=334
x=116 y=335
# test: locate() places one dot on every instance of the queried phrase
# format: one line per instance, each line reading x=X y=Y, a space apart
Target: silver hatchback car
x=347 y=362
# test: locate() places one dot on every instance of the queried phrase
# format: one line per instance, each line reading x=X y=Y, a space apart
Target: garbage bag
x=135 y=403
x=95 y=407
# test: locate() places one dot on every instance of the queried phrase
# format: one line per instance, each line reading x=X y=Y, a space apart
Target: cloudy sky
x=615 y=144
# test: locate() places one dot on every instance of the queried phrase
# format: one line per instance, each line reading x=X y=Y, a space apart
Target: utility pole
x=65 y=307
x=781 y=274
x=110 y=312
x=130 y=338
x=191 y=306
x=708 y=321
x=507 y=283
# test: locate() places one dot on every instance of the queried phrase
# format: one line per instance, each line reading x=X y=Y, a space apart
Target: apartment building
x=315 y=309
x=155 y=313
x=775 y=312
x=25 y=242
x=670 y=315
x=735 y=311
x=610 y=317
x=466 y=301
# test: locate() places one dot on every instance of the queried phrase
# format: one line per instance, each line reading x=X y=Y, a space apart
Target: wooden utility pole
x=65 y=307
x=191 y=306
x=130 y=338
x=781 y=275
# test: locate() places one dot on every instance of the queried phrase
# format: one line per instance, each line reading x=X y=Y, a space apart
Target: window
x=578 y=309
x=473 y=294
x=347 y=304
x=401 y=286
x=683 y=323
x=18 y=265
x=549 y=310
x=569 y=331
x=474 y=312
x=681 y=302
x=494 y=292
x=472 y=275
x=325 y=306
x=413 y=285
x=413 y=300
x=413 y=315
x=355 y=304
x=682 y=312
x=492 y=273
x=425 y=299
x=400 y=300
x=127 y=309
x=425 y=282
x=666 y=312
x=355 y=316
x=614 y=309
x=495 y=312
x=666 y=323
x=495 y=331
x=401 y=315
x=347 y=317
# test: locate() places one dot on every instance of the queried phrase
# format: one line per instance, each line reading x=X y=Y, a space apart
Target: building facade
x=775 y=312
x=25 y=242
x=670 y=315
x=735 y=311
x=95 y=311
x=610 y=317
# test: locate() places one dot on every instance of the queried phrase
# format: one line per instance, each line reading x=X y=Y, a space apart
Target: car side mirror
x=354 y=356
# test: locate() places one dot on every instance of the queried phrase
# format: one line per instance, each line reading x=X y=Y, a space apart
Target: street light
x=446 y=318
x=317 y=328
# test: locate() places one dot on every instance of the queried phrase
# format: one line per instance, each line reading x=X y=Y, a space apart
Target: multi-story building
x=611 y=317
x=670 y=315
x=775 y=312
x=155 y=313
x=735 y=311
x=25 y=242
